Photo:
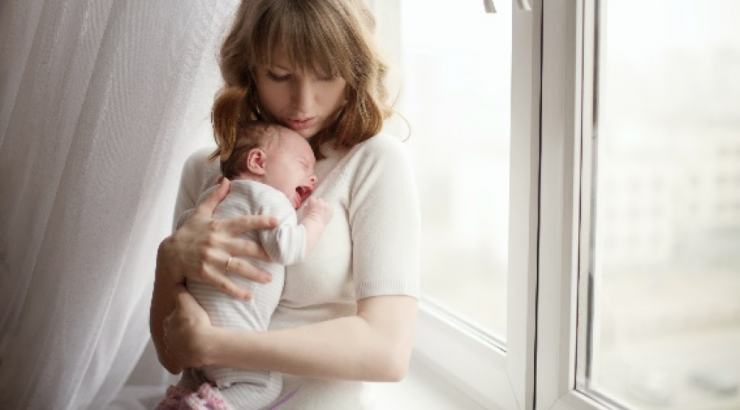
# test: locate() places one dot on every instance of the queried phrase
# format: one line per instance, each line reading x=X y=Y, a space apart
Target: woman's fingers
x=203 y=246
x=214 y=271
x=185 y=330
x=188 y=312
x=245 y=269
x=223 y=283
x=209 y=205
x=183 y=298
x=245 y=247
x=241 y=224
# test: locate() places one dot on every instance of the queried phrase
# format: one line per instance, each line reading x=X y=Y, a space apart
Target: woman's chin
x=307 y=133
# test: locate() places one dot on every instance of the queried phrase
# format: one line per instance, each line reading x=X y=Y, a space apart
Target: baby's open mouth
x=304 y=192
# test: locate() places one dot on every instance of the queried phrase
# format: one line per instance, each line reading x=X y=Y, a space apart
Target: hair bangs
x=309 y=36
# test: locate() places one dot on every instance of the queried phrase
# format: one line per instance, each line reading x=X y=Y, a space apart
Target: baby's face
x=289 y=167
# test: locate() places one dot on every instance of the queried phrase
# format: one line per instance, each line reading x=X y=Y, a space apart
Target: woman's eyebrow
x=280 y=66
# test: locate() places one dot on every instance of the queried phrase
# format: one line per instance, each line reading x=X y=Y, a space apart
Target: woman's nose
x=303 y=96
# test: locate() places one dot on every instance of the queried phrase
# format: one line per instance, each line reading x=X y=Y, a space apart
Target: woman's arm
x=161 y=306
x=199 y=251
x=374 y=345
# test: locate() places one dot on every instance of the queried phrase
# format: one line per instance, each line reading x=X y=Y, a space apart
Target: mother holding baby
x=348 y=313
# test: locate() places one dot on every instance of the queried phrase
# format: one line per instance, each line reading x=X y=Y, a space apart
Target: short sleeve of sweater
x=197 y=175
x=385 y=221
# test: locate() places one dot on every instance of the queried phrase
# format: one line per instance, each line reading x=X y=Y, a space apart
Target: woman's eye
x=275 y=77
x=327 y=78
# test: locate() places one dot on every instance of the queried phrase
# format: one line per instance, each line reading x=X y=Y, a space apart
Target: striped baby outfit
x=246 y=389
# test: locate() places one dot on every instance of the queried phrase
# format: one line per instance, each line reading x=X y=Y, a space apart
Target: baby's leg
x=174 y=398
x=207 y=397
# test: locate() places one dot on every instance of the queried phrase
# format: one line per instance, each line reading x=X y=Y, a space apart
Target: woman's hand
x=203 y=247
x=200 y=251
x=187 y=331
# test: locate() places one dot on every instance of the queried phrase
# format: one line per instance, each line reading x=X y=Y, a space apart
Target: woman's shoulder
x=382 y=143
x=379 y=159
x=198 y=160
x=384 y=148
x=198 y=172
x=197 y=175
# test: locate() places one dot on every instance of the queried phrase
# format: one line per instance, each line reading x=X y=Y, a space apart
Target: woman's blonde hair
x=334 y=37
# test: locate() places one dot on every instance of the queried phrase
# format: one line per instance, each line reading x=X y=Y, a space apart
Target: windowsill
x=422 y=388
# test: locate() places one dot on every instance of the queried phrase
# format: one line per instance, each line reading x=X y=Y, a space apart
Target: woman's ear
x=256 y=161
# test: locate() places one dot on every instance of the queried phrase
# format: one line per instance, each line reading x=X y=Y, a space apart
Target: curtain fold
x=101 y=101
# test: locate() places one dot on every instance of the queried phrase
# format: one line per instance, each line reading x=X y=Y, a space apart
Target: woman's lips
x=297 y=124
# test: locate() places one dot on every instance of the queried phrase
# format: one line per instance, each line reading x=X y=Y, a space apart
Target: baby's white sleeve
x=285 y=244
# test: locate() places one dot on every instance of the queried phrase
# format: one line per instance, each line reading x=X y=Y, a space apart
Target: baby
x=271 y=168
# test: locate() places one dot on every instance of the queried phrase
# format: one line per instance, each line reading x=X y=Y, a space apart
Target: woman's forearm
x=162 y=305
x=374 y=345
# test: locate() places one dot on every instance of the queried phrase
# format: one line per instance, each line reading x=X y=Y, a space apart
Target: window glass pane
x=455 y=67
x=665 y=330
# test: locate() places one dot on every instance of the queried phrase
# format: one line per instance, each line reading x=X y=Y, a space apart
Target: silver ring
x=228 y=262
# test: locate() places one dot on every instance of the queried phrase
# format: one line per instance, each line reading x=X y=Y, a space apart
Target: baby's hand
x=317 y=209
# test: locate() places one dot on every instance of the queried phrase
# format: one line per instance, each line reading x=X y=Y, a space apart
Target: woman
x=348 y=313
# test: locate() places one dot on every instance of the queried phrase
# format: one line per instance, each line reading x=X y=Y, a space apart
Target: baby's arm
x=291 y=242
x=316 y=216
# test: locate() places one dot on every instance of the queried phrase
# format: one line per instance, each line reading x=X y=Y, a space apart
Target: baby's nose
x=312 y=179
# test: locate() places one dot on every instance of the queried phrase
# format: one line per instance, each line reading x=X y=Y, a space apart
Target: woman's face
x=302 y=101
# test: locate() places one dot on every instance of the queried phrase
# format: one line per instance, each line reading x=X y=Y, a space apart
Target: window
x=456 y=97
x=665 y=256
x=638 y=305
x=455 y=64
x=622 y=275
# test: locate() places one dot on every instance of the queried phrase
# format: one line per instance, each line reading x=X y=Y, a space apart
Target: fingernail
x=266 y=278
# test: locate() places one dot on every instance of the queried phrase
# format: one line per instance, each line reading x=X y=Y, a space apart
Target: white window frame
x=568 y=91
x=553 y=61
x=493 y=376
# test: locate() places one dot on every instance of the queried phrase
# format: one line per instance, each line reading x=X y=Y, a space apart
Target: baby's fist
x=318 y=209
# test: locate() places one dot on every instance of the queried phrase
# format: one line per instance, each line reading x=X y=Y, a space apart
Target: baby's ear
x=256 y=161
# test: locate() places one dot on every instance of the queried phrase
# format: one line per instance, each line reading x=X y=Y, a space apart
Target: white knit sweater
x=370 y=248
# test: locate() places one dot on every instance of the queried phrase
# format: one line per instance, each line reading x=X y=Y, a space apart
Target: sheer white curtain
x=100 y=103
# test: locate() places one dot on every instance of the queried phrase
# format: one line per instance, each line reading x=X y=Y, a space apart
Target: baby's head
x=273 y=155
